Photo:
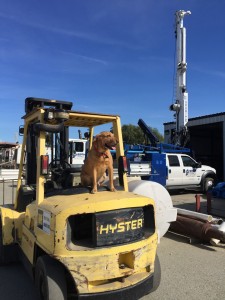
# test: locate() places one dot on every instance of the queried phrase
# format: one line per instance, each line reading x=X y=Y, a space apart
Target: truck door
x=175 y=171
x=190 y=171
x=77 y=152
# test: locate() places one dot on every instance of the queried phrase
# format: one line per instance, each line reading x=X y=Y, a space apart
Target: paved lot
x=189 y=271
x=194 y=272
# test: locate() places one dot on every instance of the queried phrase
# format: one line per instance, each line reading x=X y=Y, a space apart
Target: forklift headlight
x=48 y=115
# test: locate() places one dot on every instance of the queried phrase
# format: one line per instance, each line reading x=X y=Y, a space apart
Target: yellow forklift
x=76 y=245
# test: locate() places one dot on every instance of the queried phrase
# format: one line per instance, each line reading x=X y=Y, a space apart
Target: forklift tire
x=50 y=279
x=157 y=274
x=8 y=253
x=2 y=247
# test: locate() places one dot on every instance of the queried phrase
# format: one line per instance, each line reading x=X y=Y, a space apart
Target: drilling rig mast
x=180 y=107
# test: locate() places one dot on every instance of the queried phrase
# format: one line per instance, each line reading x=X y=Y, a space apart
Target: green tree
x=157 y=134
x=133 y=134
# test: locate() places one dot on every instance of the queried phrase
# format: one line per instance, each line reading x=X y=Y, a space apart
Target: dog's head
x=105 y=140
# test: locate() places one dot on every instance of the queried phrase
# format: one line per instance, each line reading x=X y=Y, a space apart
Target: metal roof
x=200 y=117
x=7 y=145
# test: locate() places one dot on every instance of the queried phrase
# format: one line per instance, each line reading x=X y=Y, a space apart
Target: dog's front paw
x=112 y=189
x=93 y=191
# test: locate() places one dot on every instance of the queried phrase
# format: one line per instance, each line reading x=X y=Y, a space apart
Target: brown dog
x=99 y=160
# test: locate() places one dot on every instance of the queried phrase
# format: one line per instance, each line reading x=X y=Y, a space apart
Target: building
x=207 y=140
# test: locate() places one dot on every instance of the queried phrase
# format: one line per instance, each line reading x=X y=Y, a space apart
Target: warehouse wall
x=207 y=144
x=207 y=140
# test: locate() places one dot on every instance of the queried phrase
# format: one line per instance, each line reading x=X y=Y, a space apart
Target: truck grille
x=110 y=228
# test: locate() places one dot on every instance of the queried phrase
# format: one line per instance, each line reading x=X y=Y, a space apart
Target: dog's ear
x=97 y=137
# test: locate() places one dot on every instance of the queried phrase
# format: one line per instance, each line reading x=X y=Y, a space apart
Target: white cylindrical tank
x=165 y=212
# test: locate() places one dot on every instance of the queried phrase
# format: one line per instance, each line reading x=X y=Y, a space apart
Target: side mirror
x=21 y=130
x=198 y=165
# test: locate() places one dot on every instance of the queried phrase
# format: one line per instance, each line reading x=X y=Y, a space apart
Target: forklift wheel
x=2 y=248
x=157 y=274
x=8 y=253
x=50 y=279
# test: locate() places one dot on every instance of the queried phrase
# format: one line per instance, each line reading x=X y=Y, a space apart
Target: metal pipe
x=194 y=214
x=201 y=230
x=221 y=228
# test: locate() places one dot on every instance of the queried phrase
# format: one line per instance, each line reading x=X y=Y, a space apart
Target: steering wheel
x=58 y=168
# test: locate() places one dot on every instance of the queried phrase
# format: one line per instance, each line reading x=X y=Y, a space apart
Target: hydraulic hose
x=48 y=127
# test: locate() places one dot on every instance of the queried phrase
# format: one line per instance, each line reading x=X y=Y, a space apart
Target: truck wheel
x=208 y=184
x=157 y=274
x=50 y=279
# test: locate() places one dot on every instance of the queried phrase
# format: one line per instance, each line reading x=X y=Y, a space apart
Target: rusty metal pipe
x=201 y=230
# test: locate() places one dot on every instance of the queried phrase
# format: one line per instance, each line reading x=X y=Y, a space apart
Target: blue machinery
x=149 y=161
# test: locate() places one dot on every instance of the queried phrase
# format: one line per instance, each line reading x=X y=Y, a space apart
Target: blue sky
x=114 y=57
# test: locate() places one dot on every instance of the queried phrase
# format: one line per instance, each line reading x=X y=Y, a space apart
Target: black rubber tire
x=208 y=184
x=2 y=247
x=50 y=279
x=8 y=253
x=157 y=274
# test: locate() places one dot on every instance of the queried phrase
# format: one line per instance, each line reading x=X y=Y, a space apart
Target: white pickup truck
x=173 y=170
x=185 y=172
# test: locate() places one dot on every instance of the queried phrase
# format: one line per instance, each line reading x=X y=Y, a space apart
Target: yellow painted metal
x=106 y=268
x=84 y=203
x=29 y=118
x=33 y=116
x=119 y=149
x=30 y=217
x=28 y=243
x=11 y=225
x=83 y=119
x=22 y=158
x=40 y=178
x=91 y=130
x=64 y=206
x=47 y=239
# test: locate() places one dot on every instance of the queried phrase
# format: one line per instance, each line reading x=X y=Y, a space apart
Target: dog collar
x=100 y=153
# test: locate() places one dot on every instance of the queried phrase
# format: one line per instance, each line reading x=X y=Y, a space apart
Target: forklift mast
x=58 y=141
